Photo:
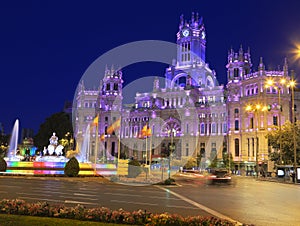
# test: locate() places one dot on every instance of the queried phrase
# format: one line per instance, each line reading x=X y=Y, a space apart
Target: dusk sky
x=46 y=46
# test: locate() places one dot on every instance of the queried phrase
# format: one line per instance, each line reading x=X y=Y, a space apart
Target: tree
x=72 y=168
x=60 y=123
x=227 y=159
x=191 y=163
x=4 y=140
x=214 y=162
x=284 y=136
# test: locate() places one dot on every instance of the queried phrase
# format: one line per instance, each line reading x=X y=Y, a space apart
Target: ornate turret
x=112 y=82
x=111 y=89
x=191 y=40
x=238 y=64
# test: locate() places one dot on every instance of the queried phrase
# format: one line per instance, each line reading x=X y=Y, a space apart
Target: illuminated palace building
x=191 y=115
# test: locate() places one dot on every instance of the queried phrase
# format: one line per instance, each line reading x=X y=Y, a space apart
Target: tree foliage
x=3 y=165
x=285 y=136
x=60 y=123
x=227 y=160
x=4 y=140
x=191 y=163
x=72 y=168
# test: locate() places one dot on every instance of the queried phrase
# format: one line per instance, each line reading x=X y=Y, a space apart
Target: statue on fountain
x=53 y=152
x=54 y=148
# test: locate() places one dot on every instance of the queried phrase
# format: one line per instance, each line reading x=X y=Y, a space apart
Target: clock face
x=203 y=34
x=185 y=32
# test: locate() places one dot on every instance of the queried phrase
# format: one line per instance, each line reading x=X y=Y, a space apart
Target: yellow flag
x=146 y=132
x=114 y=126
x=95 y=121
x=102 y=137
x=149 y=132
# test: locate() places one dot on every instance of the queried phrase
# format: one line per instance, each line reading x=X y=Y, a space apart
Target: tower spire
x=193 y=17
x=181 y=22
x=261 y=66
x=285 y=67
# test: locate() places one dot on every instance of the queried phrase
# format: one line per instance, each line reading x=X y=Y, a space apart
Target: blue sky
x=46 y=46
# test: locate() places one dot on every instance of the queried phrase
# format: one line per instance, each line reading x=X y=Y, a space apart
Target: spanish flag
x=95 y=121
x=102 y=137
x=114 y=126
x=146 y=132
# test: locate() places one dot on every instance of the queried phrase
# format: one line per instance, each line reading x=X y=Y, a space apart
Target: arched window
x=202 y=128
x=213 y=128
x=236 y=147
x=275 y=120
x=115 y=86
x=236 y=73
x=236 y=125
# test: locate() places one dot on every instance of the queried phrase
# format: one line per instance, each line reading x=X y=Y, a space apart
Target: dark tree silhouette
x=60 y=123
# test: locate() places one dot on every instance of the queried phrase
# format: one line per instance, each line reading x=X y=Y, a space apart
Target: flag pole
x=150 y=153
x=119 y=143
x=146 y=145
x=96 y=143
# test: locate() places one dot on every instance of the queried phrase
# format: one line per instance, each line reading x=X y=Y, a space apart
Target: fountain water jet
x=85 y=147
x=13 y=143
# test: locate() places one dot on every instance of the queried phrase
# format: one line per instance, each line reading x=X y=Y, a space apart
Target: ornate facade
x=191 y=111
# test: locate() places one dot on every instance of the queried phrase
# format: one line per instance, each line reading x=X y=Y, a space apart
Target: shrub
x=134 y=168
x=169 y=181
x=103 y=214
x=72 y=168
x=3 y=165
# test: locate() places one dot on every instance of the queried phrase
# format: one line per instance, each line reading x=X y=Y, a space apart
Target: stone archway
x=171 y=124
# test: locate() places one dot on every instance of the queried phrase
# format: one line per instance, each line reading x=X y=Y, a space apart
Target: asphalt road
x=247 y=201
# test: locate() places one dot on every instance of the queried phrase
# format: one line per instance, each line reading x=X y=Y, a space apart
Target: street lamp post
x=278 y=86
x=171 y=147
x=292 y=85
x=255 y=109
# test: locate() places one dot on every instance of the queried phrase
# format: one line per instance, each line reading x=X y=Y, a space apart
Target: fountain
x=51 y=161
x=82 y=156
x=13 y=144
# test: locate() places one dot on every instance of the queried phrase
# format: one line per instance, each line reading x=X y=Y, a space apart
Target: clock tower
x=191 y=40
x=190 y=62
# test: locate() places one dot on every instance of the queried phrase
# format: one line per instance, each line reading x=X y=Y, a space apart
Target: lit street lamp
x=255 y=109
x=278 y=86
x=292 y=85
x=171 y=149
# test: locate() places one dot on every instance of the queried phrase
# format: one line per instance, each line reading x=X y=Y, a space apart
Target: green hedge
x=3 y=165
x=72 y=168
x=103 y=214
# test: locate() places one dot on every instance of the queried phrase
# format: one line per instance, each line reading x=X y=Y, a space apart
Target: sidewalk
x=270 y=179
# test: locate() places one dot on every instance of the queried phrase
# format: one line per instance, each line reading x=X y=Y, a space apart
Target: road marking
x=78 y=202
x=81 y=194
x=138 y=203
x=200 y=206
x=89 y=189
x=85 y=198
x=23 y=193
x=123 y=189
x=108 y=193
x=159 y=197
x=39 y=199
x=11 y=186
x=183 y=207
